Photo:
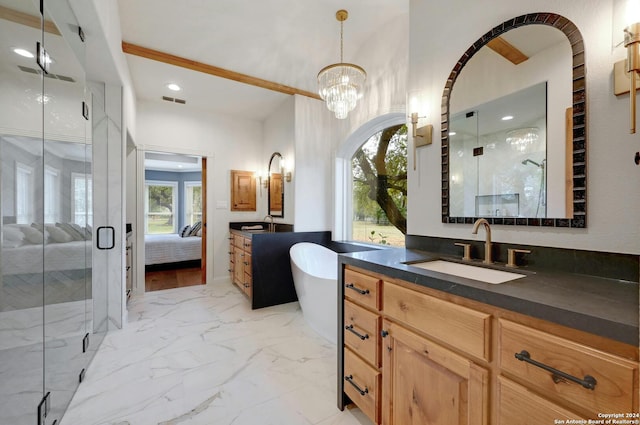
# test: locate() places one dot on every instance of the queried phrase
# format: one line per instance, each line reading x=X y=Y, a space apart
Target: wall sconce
x=284 y=168
x=626 y=72
x=422 y=136
x=262 y=181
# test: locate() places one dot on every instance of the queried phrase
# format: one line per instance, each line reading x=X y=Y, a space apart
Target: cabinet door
x=426 y=384
x=243 y=191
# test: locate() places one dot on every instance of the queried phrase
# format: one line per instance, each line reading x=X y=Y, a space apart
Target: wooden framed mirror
x=551 y=177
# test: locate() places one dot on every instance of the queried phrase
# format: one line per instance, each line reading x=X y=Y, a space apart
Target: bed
x=171 y=248
x=31 y=261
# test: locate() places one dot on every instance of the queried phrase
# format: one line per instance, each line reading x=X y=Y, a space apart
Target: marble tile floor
x=199 y=355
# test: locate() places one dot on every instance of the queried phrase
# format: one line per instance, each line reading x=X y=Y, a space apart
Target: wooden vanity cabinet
x=572 y=375
x=362 y=358
x=242 y=274
x=399 y=377
x=439 y=359
x=518 y=405
x=425 y=383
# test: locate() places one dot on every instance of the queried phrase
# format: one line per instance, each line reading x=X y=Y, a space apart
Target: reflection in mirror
x=498 y=161
x=276 y=186
x=513 y=127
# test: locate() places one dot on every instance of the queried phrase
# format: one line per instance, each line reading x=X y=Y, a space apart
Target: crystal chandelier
x=521 y=139
x=340 y=85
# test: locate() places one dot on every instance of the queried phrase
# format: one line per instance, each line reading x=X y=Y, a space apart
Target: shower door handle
x=106 y=237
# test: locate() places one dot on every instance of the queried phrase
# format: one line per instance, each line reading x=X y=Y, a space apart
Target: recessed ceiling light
x=452 y=133
x=173 y=87
x=23 y=53
x=507 y=118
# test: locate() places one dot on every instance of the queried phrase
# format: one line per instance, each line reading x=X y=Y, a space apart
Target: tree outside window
x=379 y=169
x=160 y=207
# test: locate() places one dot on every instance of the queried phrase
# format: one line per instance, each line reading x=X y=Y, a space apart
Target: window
x=24 y=194
x=192 y=202
x=82 y=189
x=160 y=207
x=52 y=196
x=379 y=198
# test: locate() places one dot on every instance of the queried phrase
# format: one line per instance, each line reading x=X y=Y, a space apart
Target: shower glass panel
x=22 y=248
x=65 y=195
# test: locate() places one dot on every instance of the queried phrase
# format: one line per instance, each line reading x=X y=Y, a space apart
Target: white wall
x=441 y=32
x=320 y=136
x=314 y=150
x=231 y=143
x=279 y=136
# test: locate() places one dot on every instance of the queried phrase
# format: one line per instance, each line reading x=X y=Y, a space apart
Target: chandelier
x=521 y=139
x=340 y=85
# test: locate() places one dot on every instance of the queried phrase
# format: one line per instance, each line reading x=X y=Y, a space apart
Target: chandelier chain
x=341 y=42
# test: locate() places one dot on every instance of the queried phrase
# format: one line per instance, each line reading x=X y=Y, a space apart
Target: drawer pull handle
x=358 y=290
x=384 y=333
x=589 y=382
x=349 y=379
x=353 y=331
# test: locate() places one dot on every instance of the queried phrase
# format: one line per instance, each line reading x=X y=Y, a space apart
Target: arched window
x=379 y=188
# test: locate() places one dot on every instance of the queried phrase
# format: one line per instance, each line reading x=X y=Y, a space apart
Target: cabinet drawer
x=238 y=241
x=246 y=244
x=363 y=289
x=247 y=285
x=357 y=373
x=616 y=379
x=246 y=263
x=517 y=405
x=362 y=332
x=458 y=326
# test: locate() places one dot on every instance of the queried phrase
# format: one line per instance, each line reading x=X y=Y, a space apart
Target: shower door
x=45 y=197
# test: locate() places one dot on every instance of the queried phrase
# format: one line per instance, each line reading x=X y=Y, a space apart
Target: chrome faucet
x=487 y=244
x=272 y=226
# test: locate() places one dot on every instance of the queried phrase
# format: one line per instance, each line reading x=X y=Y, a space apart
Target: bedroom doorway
x=174 y=220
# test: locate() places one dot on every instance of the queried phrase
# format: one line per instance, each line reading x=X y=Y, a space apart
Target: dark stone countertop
x=605 y=307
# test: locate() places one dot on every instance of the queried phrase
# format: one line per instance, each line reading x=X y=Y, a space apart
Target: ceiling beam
x=27 y=20
x=507 y=50
x=170 y=59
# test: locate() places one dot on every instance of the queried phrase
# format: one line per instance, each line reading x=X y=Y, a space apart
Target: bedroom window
x=81 y=187
x=51 y=194
x=160 y=207
x=24 y=194
x=192 y=202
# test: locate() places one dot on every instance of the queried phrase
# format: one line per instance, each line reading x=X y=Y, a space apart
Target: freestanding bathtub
x=315 y=277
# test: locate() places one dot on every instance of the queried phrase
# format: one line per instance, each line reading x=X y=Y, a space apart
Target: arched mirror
x=276 y=186
x=513 y=127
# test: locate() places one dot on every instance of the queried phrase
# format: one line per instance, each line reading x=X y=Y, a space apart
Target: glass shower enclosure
x=47 y=303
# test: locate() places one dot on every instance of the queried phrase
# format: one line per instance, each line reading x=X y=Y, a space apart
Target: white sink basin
x=469 y=272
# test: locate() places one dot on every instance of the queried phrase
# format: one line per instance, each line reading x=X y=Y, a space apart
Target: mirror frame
x=281 y=215
x=579 y=119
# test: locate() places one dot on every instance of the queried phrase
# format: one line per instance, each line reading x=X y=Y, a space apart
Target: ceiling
x=161 y=161
x=282 y=41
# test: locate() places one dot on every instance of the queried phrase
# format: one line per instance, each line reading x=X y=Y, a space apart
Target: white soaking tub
x=315 y=277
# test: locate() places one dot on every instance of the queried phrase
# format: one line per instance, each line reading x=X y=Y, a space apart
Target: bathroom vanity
x=422 y=346
x=259 y=262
